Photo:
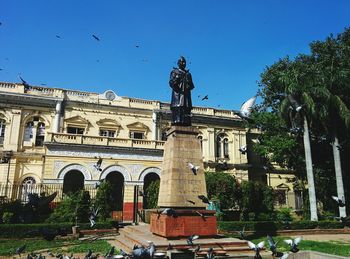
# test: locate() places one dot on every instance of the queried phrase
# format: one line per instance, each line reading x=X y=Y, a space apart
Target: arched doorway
x=149 y=178
x=117 y=181
x=73 y=182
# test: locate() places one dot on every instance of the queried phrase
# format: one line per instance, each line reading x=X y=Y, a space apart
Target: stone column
x=211 y=144
x=154 y=126
x=56 y=126
x=14 y=130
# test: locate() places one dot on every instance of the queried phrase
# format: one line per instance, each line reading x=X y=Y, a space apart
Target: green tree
x=224 y=187
x=105 y=200
x=152 y=193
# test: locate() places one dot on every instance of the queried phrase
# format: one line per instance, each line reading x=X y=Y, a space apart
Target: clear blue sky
x=227 y=43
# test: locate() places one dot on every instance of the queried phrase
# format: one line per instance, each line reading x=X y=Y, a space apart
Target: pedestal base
x=184 y=224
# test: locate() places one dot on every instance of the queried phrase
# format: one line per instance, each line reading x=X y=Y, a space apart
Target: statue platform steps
x=140 y=235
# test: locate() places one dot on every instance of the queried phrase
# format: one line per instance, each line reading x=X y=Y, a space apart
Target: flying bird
x=243 y=149
x=339 y=201
x=205 y=98
x=293 y=243
x=98 y=164
x=93 y=216
x=95 y=37
x=26 y=85
x=200 y=214
x=295 y=105
x=191 y=201
x=58 y=36
x=191 y=238
x=210 y=253
x=193 y=168
x=204 y=199
x=256 y=248
x=246 y=108
x=273 y=247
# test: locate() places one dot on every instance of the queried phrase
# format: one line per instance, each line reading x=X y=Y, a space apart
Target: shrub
x=75 y=206
x=7 y=217
x=284 y=214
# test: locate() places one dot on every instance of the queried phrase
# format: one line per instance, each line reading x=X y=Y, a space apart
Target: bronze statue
x=181 y=103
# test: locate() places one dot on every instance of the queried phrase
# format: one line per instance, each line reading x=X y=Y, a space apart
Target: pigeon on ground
x=198 y=248
x=20 y=249
x=339 y=201
x=88 y=255
x=256 y=248
x=110 y=253
x=191 y=238
x=293 y=243
x=193 y=168
x=170 y=247
x=242 y=233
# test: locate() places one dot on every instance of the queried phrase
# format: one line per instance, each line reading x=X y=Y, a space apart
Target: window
x=222 y=146
x=107 y=133
x=201 y=141
x=2 y=131
x=226 y=148
x=28 y=131
x=136 y=135
x=75 y=130
x=40 y=135
x=28 y=186
x=281 y=197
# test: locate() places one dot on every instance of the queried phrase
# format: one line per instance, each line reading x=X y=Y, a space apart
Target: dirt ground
x=345 y=238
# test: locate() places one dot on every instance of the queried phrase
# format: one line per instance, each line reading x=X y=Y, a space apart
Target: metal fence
x=11 y=192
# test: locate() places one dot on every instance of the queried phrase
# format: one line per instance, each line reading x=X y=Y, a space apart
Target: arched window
x=34 y=132
x=2 y=130
x=40 y=134
x=201 y=141
x=222 y=146
x=28 y=131
x=28 y=186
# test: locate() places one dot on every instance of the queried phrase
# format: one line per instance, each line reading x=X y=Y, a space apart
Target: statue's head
x=181 y=62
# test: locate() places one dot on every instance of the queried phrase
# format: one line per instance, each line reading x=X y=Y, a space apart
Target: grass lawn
x=331 y=247
x=8 y=247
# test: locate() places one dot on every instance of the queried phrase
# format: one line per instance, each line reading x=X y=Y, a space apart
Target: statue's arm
x=174 y=81
x=190 y=82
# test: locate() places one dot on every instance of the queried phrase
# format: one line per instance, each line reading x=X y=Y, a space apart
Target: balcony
x=63 y=138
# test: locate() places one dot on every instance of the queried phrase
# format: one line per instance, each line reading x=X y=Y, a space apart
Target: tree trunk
x=309 y=172
x=338 y=175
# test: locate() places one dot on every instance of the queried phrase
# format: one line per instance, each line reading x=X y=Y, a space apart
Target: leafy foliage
x=74 y=207
x=257 y=198
x=105 y=198
x=152 y=193
x=223 y=187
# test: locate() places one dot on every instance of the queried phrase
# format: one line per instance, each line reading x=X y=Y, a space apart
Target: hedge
x=272 y=226
x=32 y=230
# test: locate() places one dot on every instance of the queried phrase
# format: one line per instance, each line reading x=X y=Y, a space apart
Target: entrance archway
x=117 y=181
x=149 y=178
x=73 y=181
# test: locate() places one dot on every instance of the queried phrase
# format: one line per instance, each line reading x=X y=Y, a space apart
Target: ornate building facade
x=53 y=139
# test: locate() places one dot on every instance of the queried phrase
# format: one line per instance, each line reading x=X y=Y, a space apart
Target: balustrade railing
x=103 y=141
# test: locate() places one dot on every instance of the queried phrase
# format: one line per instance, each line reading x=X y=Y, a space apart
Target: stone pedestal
x=180 y=188
x=184 y=224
